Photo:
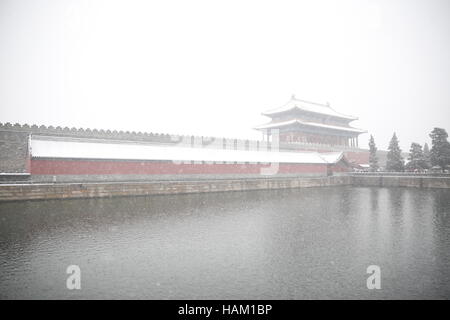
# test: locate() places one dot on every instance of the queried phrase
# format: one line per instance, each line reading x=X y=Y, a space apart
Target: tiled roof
x=307 y=123
x=295 y=103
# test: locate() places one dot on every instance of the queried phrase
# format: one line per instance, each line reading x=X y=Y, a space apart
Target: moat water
x=283 y=244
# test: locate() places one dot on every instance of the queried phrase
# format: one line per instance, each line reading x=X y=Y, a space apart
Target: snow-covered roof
x=14 y=174
x=307 y=123
x=295 y=103
x=41 y=148
x=332 y=157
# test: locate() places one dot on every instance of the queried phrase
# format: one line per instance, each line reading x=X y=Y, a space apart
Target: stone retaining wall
x=401 y=181
x=11 y=192
x=27 y=191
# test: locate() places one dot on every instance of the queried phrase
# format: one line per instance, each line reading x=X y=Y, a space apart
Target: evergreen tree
x=373 y=159
x=395 y=160
x=427 y=156
x=440 y=148
x=416 y=158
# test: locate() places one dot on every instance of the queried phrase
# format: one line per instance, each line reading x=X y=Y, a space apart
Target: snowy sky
x=211 y=67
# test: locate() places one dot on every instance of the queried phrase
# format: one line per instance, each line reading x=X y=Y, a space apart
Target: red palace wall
x=105 y=167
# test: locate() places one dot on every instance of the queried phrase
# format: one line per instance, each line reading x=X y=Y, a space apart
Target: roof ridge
x=311 y=102
x=309 y=107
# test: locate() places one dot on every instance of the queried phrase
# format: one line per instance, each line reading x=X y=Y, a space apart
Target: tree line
x=419 y=159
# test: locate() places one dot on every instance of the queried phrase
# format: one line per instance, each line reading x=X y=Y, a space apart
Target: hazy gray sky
x=211 y=67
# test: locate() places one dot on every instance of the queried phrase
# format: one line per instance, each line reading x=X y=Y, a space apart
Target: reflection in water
x=292 y=244
x=374 y=199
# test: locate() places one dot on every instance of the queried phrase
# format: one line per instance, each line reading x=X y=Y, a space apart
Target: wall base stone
x=35 y=191
x=12 y=192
